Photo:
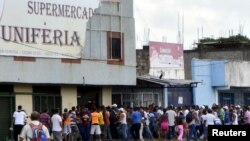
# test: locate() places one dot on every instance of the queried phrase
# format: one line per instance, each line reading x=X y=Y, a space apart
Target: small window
x=115 y=52
x=116 y=48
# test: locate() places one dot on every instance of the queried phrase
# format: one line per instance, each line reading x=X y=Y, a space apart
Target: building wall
x=236 y=52
x=68 y=93
x=188 y=56
x=219 y=79
x=69 y=96
x=237 y=74
x=107 y=96
x=142 y=59
x=24 y=96
x=93 y=64
x=166 y=59
x=227 y=55
x=235 y=57
x=143 y=66
x=204 y=94
x=218 y=73
x=168 y=73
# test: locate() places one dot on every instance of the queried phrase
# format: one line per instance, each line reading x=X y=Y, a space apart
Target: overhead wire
x=144 y=20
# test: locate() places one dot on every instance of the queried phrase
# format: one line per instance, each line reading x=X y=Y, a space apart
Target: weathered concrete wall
x=240 y=53
x=237 y=74
x=142 y=59
x=188 y=56
x=168 y=73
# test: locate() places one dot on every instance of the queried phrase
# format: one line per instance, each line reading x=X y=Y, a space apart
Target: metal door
x=180 y=96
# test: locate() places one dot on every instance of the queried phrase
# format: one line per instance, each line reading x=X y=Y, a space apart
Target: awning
x=169 y=82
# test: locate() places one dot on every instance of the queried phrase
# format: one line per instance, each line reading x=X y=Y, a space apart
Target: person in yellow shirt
x=101 y=122
x=95 y=124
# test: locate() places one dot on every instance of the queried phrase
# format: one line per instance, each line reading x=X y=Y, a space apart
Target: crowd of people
x=137 y=123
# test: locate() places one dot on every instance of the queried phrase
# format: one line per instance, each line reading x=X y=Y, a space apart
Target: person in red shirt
x=106 y=130
x=86 y=124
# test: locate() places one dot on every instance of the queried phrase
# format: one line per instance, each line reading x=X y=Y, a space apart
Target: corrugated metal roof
x=167 y=82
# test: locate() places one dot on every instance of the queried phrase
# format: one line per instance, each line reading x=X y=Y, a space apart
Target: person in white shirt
x=56 y=121
x=147 y=131
x=27 y=132
x=19 y=118
x=171 y=120
x=208 y=120
x=186 y=110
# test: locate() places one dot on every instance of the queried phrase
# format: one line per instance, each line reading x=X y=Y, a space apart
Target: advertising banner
x=166 y=55
x=44 y=28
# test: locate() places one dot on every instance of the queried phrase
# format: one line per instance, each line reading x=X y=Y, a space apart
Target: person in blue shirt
x=136 y=123
x=227 y=119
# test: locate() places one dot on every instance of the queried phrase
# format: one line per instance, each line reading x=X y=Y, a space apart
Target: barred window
x=47 y=97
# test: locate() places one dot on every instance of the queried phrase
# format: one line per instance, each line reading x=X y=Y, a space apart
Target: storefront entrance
x=89 y=96
x=7 y=102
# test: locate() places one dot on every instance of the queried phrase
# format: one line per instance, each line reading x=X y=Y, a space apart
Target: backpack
x=217 y=121
x=38 y=133
x=189 y=117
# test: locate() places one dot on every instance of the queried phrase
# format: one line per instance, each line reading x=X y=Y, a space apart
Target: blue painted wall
x=210 y=74
x=218 y=73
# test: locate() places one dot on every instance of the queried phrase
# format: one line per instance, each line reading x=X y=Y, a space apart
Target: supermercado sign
x=44 y=28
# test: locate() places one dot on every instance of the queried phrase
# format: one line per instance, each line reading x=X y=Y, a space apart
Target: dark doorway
x=7 y=101
x=89 y=96
x=117 y=99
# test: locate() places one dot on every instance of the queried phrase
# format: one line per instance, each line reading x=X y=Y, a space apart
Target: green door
x=7 y=109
